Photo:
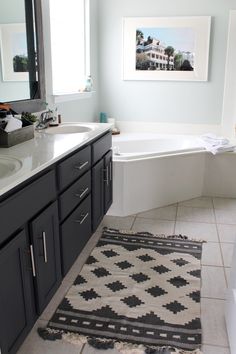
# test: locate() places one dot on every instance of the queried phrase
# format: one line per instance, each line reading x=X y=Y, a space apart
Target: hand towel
x=216 y=144
x=13 y=124
x=214 y=140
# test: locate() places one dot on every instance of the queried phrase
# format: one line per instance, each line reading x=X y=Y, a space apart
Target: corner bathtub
x=154 y=170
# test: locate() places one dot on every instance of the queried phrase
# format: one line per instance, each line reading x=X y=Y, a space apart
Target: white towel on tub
x=216 y=144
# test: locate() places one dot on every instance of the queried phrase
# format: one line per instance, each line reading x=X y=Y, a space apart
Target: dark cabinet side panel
x=108 y=187
x=97 y=194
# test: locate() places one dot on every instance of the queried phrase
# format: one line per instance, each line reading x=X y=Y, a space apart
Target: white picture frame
x=196 y=27
x=12 y=43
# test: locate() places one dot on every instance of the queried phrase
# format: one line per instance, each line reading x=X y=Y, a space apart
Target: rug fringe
x=174 y=237
x=105 y=344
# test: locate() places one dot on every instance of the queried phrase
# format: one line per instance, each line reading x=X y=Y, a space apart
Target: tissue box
x=17 y=136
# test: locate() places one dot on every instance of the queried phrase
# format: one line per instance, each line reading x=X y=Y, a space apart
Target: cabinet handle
x=32 y=260
x=83 y=193
x=107 y=176
x=81 y=165
x=45 y=248
x=84 y=217
x=110 y=171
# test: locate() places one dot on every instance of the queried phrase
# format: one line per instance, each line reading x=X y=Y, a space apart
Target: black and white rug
x=136 y=290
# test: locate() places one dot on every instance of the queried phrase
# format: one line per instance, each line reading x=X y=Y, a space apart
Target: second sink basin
x=9 y=166
x=69 y=129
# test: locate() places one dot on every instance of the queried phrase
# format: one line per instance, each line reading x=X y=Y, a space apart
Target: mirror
x=21 y=55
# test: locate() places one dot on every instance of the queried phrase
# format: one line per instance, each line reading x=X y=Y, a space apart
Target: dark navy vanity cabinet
x=45 y=224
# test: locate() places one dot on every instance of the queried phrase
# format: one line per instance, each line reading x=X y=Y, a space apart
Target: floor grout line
x=82 y=349
x=216 y=346
x=213 y=298
x=211 y=265
x=221 y=250
x=135 y=217
x=176 y=213
x=188 y=221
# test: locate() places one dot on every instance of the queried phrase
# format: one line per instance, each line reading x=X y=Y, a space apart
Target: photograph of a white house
x=165 y=49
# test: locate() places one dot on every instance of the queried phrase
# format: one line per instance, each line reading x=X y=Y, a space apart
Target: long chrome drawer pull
x=110 y=171
x=32 y=260
x=84 y=217
x=81 y=165
x=45 y=248
x=83 y=193
x=107 y=176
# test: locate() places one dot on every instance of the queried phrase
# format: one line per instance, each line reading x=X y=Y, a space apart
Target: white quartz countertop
x=44 y=150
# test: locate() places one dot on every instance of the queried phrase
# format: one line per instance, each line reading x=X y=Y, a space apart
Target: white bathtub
x=137 y=146
x=154 y=170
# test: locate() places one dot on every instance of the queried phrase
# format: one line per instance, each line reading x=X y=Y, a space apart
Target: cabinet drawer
x=100 y=147
x=74 y=195
x=75 y=232
x=73 y=167
x=23 y=205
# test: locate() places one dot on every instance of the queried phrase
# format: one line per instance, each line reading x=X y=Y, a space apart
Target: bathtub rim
x=148 y=156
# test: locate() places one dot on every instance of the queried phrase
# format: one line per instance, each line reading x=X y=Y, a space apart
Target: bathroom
x=180 y=190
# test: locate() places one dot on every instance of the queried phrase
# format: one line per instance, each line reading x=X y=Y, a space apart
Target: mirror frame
x=39 y=104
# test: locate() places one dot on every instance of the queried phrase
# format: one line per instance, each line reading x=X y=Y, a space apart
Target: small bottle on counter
x=88 y=84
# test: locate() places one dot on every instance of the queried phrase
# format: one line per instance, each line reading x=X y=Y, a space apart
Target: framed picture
x=166 y=48
x=14 y=54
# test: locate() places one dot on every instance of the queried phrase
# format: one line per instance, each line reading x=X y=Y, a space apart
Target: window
x=70 y=43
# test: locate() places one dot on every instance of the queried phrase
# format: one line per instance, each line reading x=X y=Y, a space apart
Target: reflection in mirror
x=19 y=79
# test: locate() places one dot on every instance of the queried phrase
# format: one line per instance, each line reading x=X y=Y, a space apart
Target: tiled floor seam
x=135 y=217
x=221 y=251
x=214 y=345
x=176 y=213
x=82 y=349
x=211 y=265
x=212 y=298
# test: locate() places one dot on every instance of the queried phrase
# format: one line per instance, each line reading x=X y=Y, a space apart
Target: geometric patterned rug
x=136 y=290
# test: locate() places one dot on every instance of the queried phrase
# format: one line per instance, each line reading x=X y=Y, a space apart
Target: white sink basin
x=9 y=166
x=69 y=129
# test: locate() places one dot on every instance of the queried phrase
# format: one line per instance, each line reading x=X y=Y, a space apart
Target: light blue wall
x=12 y=11
x=176 y=102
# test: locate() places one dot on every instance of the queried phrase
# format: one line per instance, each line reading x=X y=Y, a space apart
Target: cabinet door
x=16 y=314
x=97 y=194
x=45 y=253
x=108 y=187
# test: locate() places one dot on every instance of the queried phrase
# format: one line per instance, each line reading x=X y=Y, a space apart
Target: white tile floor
x=209 y=219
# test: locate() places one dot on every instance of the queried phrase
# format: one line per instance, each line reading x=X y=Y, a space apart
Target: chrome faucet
x=44 y=119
